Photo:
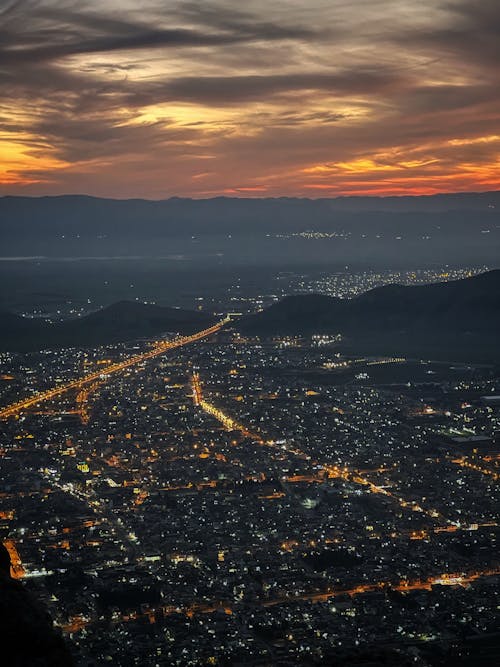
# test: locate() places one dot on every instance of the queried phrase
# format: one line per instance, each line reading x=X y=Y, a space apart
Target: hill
x=457 y=320
x=454 y=320
x=122 y=321
x=27 y=631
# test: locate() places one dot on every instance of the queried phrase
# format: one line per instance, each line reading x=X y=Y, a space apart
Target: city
x=224 y=499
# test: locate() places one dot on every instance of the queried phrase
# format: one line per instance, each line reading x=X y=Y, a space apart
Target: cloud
x=54 y=33
x=469 y=32
x=224 y=89
x=265 y=94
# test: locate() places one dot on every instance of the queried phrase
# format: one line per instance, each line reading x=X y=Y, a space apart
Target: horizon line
x=245 y=197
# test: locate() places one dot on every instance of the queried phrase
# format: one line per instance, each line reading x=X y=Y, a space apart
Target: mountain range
x=453 y=320
x=449 y=320
x=374 y=230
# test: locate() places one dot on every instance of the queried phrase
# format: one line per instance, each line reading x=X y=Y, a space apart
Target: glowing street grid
x=237 y=501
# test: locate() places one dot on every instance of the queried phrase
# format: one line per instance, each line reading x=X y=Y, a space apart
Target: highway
x=159 y=348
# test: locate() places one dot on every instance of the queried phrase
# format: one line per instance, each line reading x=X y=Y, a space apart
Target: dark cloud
x=224 y=89
x=469 y=32
x=73 y=33
x=263 y=92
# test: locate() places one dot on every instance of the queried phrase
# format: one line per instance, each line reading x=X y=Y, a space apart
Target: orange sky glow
x=292 y=98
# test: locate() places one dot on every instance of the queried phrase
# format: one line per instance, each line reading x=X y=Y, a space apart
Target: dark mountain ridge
x=84 y=215
x=459 y=317
x=455 y=229
x=122 y=321
x=451 y=320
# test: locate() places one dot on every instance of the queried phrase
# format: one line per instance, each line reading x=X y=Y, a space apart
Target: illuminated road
x=229 y=423
x=446 y=579
x=82 y=401
x=421 y=534
x=16 y=567
x=464 y=462
x=77 y=623
x=159 y=347
x=331 y=471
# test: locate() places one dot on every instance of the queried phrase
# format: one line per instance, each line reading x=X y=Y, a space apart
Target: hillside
x=122 y=321
x=458 y=318
x=28 y=633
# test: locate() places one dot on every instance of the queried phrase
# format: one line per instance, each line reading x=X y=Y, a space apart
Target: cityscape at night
x=249 y=333
x=218 y=498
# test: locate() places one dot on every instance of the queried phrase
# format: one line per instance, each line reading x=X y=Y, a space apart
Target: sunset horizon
x=196 y=101
x=254 y=196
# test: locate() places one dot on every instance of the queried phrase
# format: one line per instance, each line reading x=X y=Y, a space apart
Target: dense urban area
x=220 y=499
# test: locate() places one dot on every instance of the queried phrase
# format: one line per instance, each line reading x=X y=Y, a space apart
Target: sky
x=313 y=98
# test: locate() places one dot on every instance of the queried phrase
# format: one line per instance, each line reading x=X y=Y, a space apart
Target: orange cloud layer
x=269 y=101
